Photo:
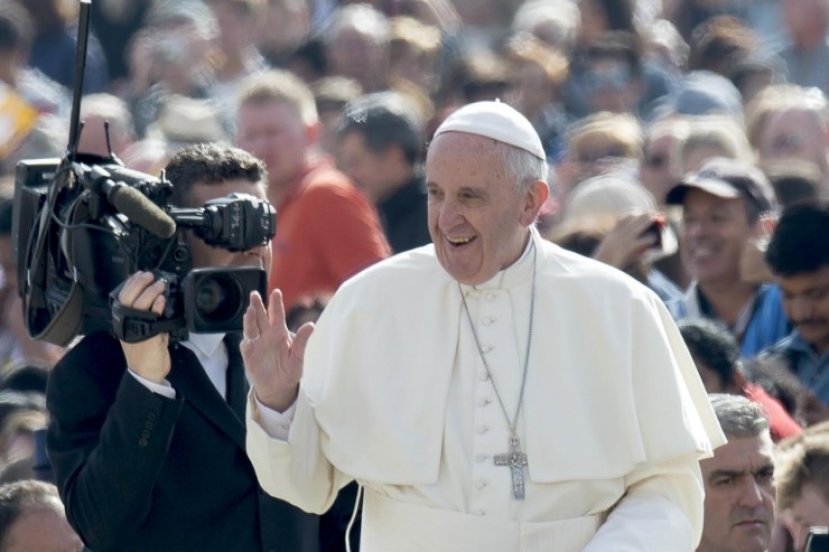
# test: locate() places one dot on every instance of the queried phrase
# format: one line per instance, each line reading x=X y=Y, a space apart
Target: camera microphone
x=133 y=204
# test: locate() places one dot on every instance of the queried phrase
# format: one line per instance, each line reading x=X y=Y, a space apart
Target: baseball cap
x=728 y=179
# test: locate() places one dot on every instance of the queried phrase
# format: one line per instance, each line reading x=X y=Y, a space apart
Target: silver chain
x=512 y=423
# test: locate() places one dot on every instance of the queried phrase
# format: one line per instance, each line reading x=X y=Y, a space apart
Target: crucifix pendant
x=515 y=459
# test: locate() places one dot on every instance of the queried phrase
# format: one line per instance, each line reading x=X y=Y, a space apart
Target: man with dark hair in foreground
x=147 y=439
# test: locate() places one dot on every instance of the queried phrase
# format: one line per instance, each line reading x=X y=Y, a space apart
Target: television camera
x=83 y=224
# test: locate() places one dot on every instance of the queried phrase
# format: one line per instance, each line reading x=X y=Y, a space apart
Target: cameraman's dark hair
x=384 y=119
x=20 y=497
x=15 y=27
x=800 y=243
x=210 y=164
x=713 y=345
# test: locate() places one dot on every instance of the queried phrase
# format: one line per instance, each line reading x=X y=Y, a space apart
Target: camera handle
x=133 y=325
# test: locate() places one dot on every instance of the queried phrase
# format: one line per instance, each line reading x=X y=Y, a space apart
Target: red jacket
x=781 y=425
x=326 y=231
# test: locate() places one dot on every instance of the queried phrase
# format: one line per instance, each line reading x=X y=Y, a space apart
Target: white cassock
x=396 y=396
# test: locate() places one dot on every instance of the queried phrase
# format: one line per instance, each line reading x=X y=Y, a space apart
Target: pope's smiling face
x=478 y=217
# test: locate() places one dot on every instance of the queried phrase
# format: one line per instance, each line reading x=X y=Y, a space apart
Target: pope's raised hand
x=273 y=357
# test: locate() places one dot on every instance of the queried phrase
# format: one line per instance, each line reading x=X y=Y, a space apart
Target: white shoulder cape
x=611 y=386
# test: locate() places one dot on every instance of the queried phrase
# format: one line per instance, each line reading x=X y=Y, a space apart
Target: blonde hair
x=524 y=48
x=716 y=132
x=799 y=461
x=779 y=98
x=618 y=130
x=277 y=85
x=419 y=37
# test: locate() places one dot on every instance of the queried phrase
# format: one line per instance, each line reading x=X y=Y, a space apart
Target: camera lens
x=218 y=298
x=215 y=300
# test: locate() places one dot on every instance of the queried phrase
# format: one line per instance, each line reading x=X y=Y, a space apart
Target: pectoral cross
x=515 y=459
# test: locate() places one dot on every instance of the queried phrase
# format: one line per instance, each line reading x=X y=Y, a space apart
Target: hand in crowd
x=150 y=358
x=627 y=242
x=273 y=357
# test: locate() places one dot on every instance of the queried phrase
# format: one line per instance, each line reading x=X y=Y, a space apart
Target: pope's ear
x=535 y=197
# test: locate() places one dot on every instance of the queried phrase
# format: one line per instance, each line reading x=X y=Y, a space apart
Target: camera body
x=75 y=248
x=655 y=231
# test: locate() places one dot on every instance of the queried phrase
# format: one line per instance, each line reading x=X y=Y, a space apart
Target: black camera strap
x=64 y=324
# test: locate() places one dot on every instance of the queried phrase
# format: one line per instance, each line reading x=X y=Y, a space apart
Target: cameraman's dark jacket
x=138 y=471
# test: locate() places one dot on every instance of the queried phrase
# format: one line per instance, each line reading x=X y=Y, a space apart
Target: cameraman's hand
x=150 y=358
x=627 y=242
x=273 y=359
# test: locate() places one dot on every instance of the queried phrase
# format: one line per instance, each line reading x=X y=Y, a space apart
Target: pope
x=490 y=391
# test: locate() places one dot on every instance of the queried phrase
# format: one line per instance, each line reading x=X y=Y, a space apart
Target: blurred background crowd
x=688 y=145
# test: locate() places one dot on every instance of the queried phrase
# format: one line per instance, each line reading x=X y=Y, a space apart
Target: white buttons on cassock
x=481 y=429
x=480 y=485
x=488 y=320
x=478 y=512
x=484 y=401
x=480 y=458
x=489 y=296
x=483 y=377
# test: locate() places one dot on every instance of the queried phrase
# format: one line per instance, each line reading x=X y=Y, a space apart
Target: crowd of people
x=443 y=172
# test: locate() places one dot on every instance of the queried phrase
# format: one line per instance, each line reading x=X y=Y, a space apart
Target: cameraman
x=147 y=440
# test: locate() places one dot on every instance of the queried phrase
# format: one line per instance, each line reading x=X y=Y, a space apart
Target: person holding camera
x=614 y=219
x=147 y=439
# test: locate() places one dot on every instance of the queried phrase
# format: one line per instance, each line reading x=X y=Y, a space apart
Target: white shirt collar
x=205 y=343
